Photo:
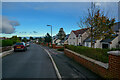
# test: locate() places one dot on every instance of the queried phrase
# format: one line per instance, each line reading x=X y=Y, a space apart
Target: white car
x=27 y=44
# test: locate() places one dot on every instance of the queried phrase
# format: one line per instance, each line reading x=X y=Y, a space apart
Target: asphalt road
x=34 y=63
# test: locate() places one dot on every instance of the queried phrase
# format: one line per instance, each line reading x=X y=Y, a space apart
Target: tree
x=40 y=39
x=15 y=39
x=24 y=39
x=20 y=38
x=98 y=24
x=61 y=35
x=31 y=38
x=48 y=38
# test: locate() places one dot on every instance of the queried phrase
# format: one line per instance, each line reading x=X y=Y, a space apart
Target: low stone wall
x=6 y=53
x=106 y=70
x=2 y=49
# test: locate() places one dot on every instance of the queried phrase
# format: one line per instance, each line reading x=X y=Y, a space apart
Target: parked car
x=27 y=44
x=20 y=47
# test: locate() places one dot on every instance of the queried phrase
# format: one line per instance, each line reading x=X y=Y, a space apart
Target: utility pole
x=51 y=33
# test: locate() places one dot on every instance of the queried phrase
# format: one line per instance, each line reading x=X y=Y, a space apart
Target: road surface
x=34 y=63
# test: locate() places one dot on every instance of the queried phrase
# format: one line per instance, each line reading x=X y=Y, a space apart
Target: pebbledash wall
x=106 y=70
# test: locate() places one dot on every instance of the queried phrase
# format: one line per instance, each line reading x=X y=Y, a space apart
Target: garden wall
x=106 y=70
x=2 y=49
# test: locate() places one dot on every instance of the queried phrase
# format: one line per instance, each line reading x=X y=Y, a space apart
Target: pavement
x=69 y=69
x=34 y=63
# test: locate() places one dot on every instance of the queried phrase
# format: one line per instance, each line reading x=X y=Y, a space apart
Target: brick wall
x=113 y=71
x=114 y=66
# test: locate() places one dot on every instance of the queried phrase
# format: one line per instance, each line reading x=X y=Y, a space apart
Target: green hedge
x=8 y=42
x=61 y=49
x=94 y=53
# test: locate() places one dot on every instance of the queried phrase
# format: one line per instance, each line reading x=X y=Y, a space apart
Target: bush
x=61 y=49
x=114 y=49
x=7 y=42
x=15 y=41
x=95 y=53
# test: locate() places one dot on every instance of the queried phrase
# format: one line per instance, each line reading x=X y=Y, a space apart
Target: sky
x=31 y=18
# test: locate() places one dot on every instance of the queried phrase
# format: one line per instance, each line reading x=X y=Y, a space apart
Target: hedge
x=8 y=42
x=94 y=53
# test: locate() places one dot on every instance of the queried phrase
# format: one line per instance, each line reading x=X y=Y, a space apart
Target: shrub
x=60 y=49
x=7 y=42
x=95 y=53
x=114 y=49
x=0 y=43
x=15 y=41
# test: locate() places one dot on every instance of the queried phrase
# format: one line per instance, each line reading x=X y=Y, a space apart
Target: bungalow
x=110 y=43
x=106 y=43
x=77 y=37
x=115 y=41
x=96 y=43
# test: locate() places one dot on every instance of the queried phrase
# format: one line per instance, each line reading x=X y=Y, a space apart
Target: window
x=87 y=44
x=80 y=36
x=73 y=43
x=105 y=46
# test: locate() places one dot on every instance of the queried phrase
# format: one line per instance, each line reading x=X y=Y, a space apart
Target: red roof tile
x=81 y=31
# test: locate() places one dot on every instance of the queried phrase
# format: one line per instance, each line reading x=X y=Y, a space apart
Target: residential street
x=34 y=63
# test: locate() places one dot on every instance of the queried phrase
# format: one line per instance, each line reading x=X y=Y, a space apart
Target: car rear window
x=19 y=43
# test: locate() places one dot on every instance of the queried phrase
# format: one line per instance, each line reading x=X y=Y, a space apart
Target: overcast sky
x=31 y=18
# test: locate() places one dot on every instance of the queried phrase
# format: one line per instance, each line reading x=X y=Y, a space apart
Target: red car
x=20 y=47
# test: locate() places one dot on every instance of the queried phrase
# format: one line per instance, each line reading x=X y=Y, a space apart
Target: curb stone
x=6 y=53
x=53 y=62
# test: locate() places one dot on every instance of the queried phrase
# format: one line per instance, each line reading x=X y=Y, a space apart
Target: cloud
x=97 y=4
x=34 y=32
x=7 y=26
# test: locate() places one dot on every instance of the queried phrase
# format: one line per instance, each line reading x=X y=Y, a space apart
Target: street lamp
x=51 y=33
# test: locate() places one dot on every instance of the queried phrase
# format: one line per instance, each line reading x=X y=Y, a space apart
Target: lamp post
x=51 y=33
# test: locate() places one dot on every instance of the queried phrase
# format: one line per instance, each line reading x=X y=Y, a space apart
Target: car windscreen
x=19 y=43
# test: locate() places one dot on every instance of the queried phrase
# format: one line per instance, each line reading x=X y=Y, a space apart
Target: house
x=66 y=39
x=106 y=43
x=77 y=37
x=115 y=41
x=110 y=43
x=96 y=43
x=116 y=27
x=55 y=40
